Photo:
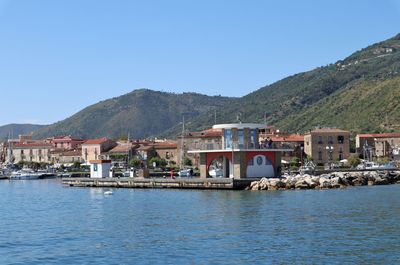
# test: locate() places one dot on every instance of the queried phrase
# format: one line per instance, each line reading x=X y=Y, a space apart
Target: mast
x=182 y=143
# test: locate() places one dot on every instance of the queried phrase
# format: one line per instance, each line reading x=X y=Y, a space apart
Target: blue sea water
x=42 y=222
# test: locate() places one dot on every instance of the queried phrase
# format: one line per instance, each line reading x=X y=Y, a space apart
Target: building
x=378 y=145
x=327 y=145
x=100 y=168
x=239 y=155
x=167 y=150
x=38 y=151
x=93 y=149
x=205 y=140
x=65 y=142
x=122 y=153
x=66 y=156
x=293 y=142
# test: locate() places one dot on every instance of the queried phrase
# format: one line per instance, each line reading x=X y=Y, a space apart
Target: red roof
x=96 y=141
x=165 y=145
x=31 y=145
x=379 y=135
x=210 y=133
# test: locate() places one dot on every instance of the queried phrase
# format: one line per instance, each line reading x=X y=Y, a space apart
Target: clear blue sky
x=59 y=56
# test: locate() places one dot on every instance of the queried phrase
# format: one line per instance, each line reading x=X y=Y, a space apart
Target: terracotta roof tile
x=96 y=141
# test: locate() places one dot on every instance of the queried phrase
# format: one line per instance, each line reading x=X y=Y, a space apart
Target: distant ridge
x=16 y=129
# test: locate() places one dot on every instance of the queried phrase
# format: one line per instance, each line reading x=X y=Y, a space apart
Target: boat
x=185 y=173
x=24 y=174
x=108 y=193
x=216 y=173
x=374 y=166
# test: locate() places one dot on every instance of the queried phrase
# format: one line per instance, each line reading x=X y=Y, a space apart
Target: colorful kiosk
x=241 y=155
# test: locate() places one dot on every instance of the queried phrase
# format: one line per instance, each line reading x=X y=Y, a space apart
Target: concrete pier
x=160 y=183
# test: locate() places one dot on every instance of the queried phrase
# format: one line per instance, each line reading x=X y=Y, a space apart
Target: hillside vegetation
x=141 y=113
x=359 y=93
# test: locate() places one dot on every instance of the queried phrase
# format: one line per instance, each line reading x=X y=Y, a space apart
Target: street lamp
x=329 y=151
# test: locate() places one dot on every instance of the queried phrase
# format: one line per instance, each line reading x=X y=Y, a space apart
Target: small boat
x=24 y=174
x=108 y=193
x=216 y=173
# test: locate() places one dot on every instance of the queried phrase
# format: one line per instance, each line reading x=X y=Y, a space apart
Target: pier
x=161 y=183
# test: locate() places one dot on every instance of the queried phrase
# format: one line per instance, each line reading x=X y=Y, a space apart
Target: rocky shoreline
x=333 y=180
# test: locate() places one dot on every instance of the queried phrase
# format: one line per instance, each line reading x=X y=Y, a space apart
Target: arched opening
x=260 y=166
x=219 y=167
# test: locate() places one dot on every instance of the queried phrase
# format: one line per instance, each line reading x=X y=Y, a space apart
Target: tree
x=187 y=162
x=353 y=160
x=134 y=162
x=160 y=162
x=77 y=165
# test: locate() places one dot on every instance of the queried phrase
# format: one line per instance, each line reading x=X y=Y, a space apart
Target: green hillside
x=141 y=113
x=359 y=93
x=323 y=96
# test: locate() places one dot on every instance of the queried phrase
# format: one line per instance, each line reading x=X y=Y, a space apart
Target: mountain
x=141 y=113
x=360 y=93
x=14 y=130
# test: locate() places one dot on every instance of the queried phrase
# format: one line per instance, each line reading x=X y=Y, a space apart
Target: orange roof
x=165 y=145
x=122 y=148
x=379 y=135
x=210 y=133
x=96 y=141
x=289 y=138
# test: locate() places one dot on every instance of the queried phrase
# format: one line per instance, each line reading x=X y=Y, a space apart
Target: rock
x=276 y=184
x=360 y=181
x=324 y=183
x=301 y=185
x=381 y=181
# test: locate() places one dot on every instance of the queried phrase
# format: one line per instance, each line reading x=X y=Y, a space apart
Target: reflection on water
x=45 y=223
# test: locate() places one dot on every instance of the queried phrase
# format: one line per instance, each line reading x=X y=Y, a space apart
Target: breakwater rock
x=326 y=181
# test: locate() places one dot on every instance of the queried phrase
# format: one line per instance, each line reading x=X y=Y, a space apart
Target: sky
x=58 y=57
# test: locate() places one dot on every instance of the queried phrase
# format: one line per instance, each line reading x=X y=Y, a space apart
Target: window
x=228 y=138
x=95 y=167
x=253 y=137
x=319 y=139
x=340 y=139
x=241 y=138
x=330 y=140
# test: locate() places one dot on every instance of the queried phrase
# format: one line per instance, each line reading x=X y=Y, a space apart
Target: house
x=121 y=153
x=378 y=145
x=65 y=142
x=327 y=145
x=238 y=154
x=66 y=156
x=167 y=150
x=293 y=142
x=204 y=140
x=38 y=151
x=93 y=149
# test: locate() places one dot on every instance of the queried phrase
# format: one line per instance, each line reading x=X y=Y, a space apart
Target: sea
x=43 y=222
